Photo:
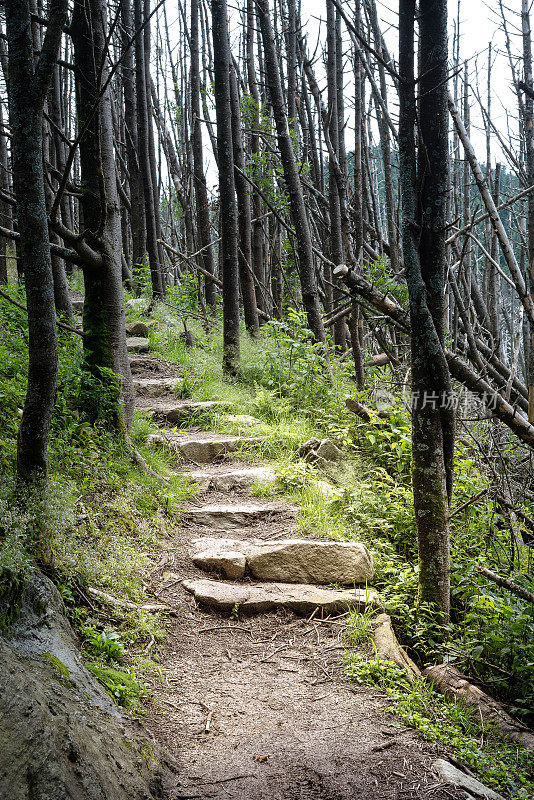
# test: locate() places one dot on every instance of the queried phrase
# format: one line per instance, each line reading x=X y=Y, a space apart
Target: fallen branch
x=506 y=583
x=362 y=411
x=114 y=601
x=451 y=683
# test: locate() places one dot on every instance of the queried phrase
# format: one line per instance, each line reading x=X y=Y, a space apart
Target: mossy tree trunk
x=103 y=311
x=424 y=184
x=28 y=83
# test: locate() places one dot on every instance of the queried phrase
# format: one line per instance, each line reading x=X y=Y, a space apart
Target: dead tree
x=28 y=84
x=227 y=196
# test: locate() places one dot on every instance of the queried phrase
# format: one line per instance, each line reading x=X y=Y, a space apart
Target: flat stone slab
x=243 y=419
x=201 y=449
x=229 y=516
x=262 y=597
x=286 y=560
x=177 y=410
x=137 y=344
x=226 y=480
x=455 y=777
x=154 y=387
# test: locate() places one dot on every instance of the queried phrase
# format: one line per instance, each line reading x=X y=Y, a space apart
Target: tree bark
x=423 y=236
x=306 y=265
x=227 y=197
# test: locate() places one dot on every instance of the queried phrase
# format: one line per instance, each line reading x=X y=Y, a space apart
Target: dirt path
x=258 y=707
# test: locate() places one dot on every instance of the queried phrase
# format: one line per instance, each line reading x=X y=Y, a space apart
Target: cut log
x=450 y=682
x=389 y=649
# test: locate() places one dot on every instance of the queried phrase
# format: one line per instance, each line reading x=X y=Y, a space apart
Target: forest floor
x=258 y=707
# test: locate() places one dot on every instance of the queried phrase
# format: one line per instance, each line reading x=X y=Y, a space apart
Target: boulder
x=77 y=306
x=61 y=737
x=455 y=777
x=304 y=561
x=262 y=597
x=138 y=328
x=137 y=344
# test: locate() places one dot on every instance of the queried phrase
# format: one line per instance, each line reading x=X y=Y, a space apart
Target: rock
x=304 y=561
x=225 y=481
x=138 y=328
x=175 y=411
x=262 y=597
x=228 y=516
x=326 y=489
x=77 y=306
x=154 y=387
x=307 y=447
x=137 y=304
x=61 y=737
x=321 y=451
x=328 y=451
x=223 y=555
x=455 y=777
x=202 y=450
x=289 y=560
x=137 y=344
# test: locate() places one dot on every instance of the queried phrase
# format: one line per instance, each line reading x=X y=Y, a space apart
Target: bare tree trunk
x=227 y=197
x=28 y=84
x=103 y=310
x=199 y=178
x=296 y=198
x=144 y=121
x=135 y=180
x=424 y=262
x=246 y=276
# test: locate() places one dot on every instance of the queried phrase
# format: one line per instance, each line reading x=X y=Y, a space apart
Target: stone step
x=137 y=344
x=225 y=479
x=199 y=448
x=173 y=412
x=230 y=515
x=286 y=560
x=155 y=387
x=262 y=597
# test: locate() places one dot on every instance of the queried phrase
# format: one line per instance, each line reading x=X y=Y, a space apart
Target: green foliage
x=58 y=665
x=495 y=761
x=105 y=644
x=121 y=684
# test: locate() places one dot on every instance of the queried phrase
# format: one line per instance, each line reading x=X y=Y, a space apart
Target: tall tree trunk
x=423 y=225
x=296 y=198
x=28 y=84
x=199 y=178
x=227 y=197
x=103 y=310
x=528 y=130
x=135 y=179
x=144 y=121
x=248 y=292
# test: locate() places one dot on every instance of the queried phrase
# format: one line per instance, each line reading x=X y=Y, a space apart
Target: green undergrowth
x=108 y=521
x=496 y=761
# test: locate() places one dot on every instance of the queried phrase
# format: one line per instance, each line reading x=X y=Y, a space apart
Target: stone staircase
x=263 y=566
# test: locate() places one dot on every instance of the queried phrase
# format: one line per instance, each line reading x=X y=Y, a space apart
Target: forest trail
x=257 y=707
